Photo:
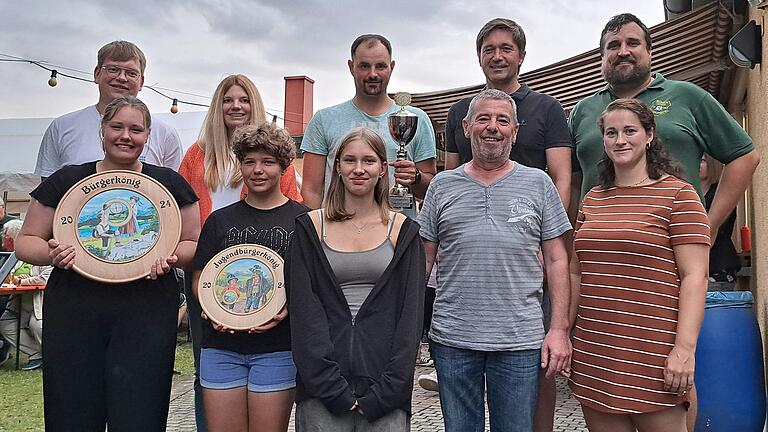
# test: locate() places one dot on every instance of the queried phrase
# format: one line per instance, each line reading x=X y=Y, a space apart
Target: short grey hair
x=491 y=94
x=12 y=228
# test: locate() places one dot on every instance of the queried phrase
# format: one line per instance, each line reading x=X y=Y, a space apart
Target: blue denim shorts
x=262 y=373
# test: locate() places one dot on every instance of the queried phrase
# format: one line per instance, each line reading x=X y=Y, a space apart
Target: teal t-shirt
x=689 y=121
x=329 y=125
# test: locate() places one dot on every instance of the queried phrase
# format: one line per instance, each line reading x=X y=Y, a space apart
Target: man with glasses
x=74 y=138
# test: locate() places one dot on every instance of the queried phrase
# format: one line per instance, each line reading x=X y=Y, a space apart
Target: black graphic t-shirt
x=236 y=224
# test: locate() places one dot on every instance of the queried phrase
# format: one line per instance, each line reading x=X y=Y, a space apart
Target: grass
x=185 y=362
x=21 y=398
x=21 y=392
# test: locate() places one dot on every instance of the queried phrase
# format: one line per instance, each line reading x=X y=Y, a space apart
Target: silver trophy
x=402 y=127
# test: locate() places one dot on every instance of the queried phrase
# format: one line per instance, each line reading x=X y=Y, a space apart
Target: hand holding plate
x=271 y=323
x=62 y=255
x=243 y=288
x=216 y=326
x=162 y=266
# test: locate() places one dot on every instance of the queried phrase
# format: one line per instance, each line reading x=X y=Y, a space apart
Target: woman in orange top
x=211 y=168
x=209 y=165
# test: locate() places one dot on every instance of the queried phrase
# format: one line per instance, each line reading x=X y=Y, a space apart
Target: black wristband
x=417 y=177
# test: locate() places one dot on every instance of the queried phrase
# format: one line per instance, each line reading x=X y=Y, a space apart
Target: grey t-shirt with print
x=489 y=296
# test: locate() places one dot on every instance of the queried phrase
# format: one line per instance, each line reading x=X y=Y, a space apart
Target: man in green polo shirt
x=689 y=120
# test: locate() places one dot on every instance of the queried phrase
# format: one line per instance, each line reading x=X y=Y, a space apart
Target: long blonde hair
x=335 y=200
x=220 y=164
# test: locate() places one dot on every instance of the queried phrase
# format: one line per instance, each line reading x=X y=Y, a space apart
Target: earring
x=647 y=146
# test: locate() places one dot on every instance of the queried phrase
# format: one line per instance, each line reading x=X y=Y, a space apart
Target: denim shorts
x=262 y=373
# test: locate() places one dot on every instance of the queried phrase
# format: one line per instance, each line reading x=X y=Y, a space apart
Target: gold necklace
x=359 y=228
x=636 y=184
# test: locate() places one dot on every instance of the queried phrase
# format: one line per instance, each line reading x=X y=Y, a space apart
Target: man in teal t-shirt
x=689 y=121
x=371 y=66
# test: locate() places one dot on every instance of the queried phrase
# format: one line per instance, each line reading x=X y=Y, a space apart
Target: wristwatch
x=417 y=177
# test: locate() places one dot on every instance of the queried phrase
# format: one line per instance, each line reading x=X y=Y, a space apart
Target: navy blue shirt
x=542 y=126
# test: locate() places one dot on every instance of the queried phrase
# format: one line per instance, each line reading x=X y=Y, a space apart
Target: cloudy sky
x=192 y=44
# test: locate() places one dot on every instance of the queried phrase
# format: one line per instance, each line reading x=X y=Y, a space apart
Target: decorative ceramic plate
x=120 y=223
x=242 y=286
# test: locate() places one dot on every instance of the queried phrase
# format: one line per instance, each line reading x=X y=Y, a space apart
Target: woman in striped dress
x=642 y=244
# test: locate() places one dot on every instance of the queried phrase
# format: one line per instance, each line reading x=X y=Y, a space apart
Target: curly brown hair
x=657 y=160
x=267 y=138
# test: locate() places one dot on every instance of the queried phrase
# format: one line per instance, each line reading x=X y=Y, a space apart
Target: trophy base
x=404 y=201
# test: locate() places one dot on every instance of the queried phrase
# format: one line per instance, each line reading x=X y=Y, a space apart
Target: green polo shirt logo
x=660 y=107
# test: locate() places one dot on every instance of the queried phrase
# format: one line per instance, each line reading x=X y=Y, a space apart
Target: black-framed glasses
x=113 y=71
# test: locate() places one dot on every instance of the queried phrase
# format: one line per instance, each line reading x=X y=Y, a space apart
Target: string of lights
x=55 y=71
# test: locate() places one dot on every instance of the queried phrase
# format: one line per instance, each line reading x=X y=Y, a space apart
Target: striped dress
x=627 y=316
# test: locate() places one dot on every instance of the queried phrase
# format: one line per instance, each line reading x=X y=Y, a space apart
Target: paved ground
x=426 y=409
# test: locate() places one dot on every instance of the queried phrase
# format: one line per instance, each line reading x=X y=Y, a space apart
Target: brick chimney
x=298 y=103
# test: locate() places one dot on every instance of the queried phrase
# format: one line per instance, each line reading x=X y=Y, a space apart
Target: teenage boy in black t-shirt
x=249 y=377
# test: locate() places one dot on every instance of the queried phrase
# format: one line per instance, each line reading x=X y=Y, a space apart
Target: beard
x=373 y=90
x=634 y=77
x=494 y=154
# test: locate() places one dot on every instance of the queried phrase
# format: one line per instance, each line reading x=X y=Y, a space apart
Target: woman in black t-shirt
x=248 y=377
x=109 y=348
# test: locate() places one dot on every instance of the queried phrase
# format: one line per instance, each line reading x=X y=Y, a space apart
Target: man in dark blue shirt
x=543 y=140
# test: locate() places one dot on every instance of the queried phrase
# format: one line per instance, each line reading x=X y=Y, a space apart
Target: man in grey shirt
x=488 y=220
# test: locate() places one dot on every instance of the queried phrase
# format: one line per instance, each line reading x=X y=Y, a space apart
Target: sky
x=191 y=45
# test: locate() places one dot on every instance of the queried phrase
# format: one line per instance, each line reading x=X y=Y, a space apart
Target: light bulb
x=175 y=106
x=52 y=81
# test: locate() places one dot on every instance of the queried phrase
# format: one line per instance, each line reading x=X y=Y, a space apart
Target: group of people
x=508 y=314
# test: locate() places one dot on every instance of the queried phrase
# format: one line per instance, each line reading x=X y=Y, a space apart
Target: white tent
x=20 y=140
